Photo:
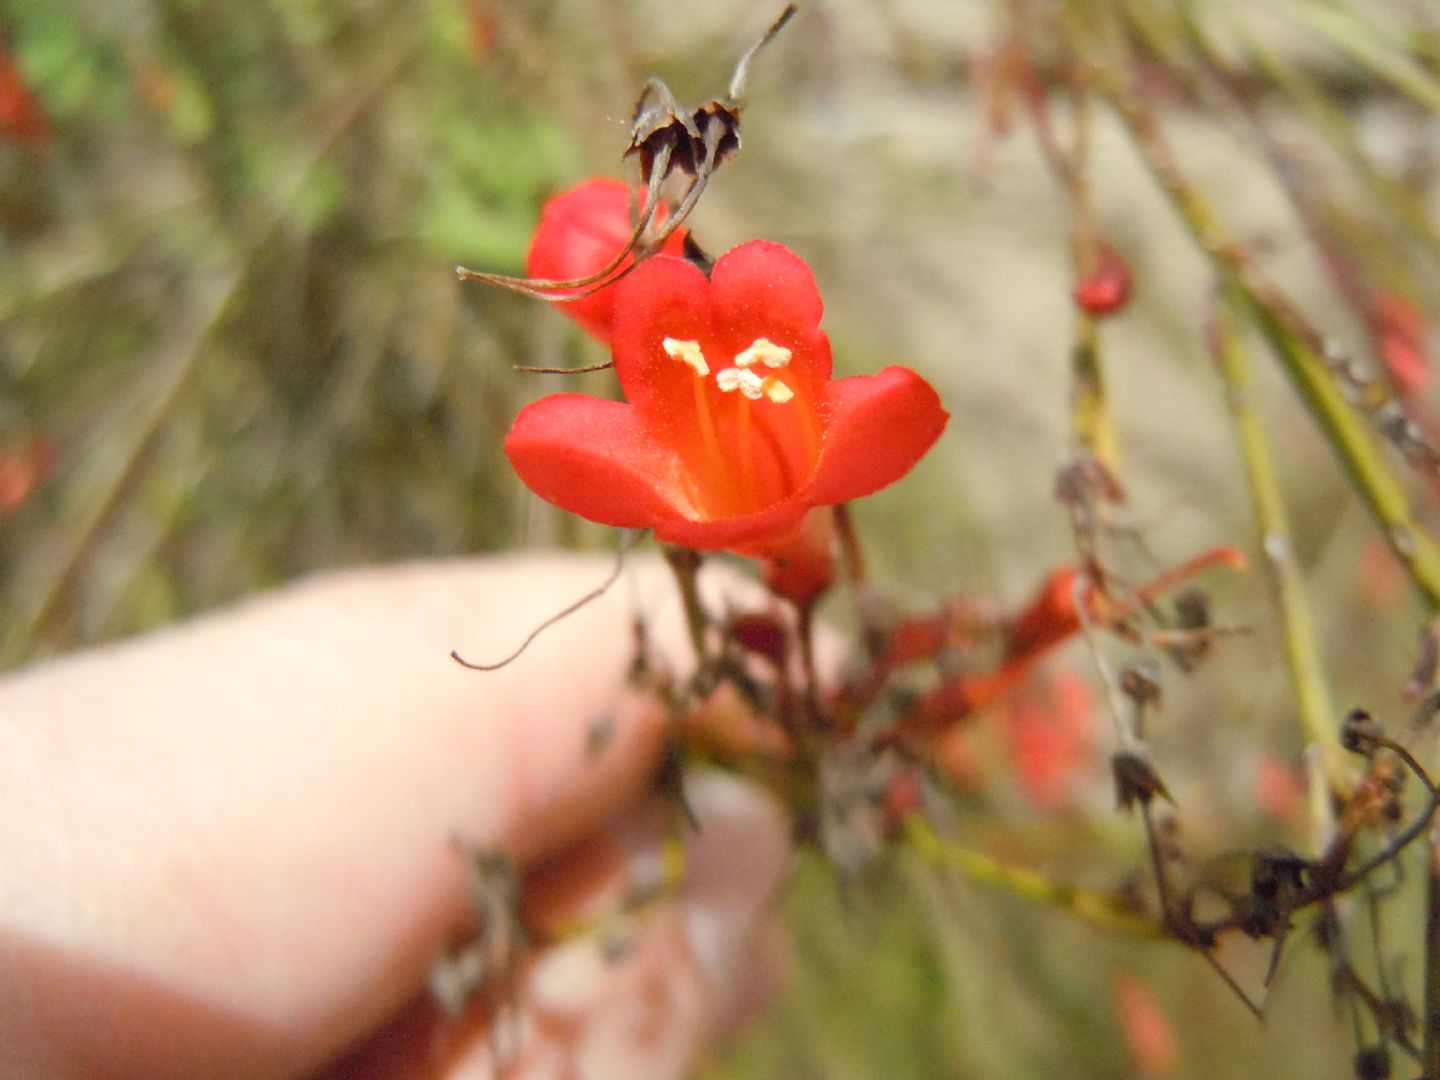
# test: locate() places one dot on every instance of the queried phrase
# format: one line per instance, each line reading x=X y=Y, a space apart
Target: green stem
x=685 y=564
x=1299 y=354
x=1302 y=652
x=1096 y=909
x=1090 y=424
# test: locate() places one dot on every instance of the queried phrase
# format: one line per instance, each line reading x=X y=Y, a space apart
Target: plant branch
x=1101 y=911
x=1302 y=652
x=1297 y=349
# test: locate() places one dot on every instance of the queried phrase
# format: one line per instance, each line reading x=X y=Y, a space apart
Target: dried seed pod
x=1136 y=781
x=1361 y=733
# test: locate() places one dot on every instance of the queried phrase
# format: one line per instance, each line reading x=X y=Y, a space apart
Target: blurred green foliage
x=228 y=304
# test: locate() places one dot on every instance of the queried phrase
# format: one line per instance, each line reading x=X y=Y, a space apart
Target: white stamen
x=742 y=379
x=687 y=352
x=753 y=385
x=763 y=351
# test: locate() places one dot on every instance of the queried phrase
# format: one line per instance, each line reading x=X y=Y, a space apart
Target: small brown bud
x=1136 y=780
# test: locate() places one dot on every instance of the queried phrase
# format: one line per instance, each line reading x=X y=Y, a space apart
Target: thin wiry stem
x=627 y=538
x=581 y=287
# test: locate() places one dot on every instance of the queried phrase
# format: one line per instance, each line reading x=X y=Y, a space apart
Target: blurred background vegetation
x=233 y=350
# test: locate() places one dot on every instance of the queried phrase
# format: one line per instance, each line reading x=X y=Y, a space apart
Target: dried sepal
x=1361 y=733
x=668 y=138
x=1136 y=781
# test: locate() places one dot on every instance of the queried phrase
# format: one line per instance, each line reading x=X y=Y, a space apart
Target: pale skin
x=228 y=848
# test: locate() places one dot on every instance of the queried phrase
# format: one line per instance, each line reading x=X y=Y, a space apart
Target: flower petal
x=663 y=298
x=764 y=290
x=877 y=427
x=746 y=534
x=598 y=459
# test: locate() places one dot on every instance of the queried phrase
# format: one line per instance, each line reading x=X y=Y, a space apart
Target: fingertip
x=736 y=862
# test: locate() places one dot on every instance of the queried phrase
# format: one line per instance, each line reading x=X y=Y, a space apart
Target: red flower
x=732 y=430
x=581 y=230
x=1049 y=732
x=1146 y=1027
x=1400 y=334
x=1279 y=788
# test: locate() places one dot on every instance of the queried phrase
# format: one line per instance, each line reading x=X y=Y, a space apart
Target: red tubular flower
x=732 y=430
x=580 y=231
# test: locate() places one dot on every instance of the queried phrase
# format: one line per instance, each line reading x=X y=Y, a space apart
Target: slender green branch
x=1091 y=426
x=1302 y=652
x=1299 y=353
x=685 y=564
x=1328 y=117
x=1100 y=911
x=1363 y=38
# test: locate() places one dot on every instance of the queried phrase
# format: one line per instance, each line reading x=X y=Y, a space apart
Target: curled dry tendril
x=627 y=540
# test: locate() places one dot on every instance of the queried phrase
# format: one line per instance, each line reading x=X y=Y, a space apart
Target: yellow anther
x=763 y=351
x=687 y=352
x=777 y=391
x=752 y=385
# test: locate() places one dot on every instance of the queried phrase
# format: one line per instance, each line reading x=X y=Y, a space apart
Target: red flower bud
x=581 y=230
x=1106 y=288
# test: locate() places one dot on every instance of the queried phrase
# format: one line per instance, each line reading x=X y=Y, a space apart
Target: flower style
x=732 y=429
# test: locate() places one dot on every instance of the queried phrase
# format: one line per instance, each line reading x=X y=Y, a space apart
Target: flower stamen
x=734 y=378
x=763 y=351
x=753 y=385
x=687 y=352
x=776 y=390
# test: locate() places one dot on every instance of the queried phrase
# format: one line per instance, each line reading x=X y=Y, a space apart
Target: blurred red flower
x=22 y=468
x=1145 y=1026
x=1049 y=731
x=1279 y=788
x=22 y=119
x=1400 y=338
